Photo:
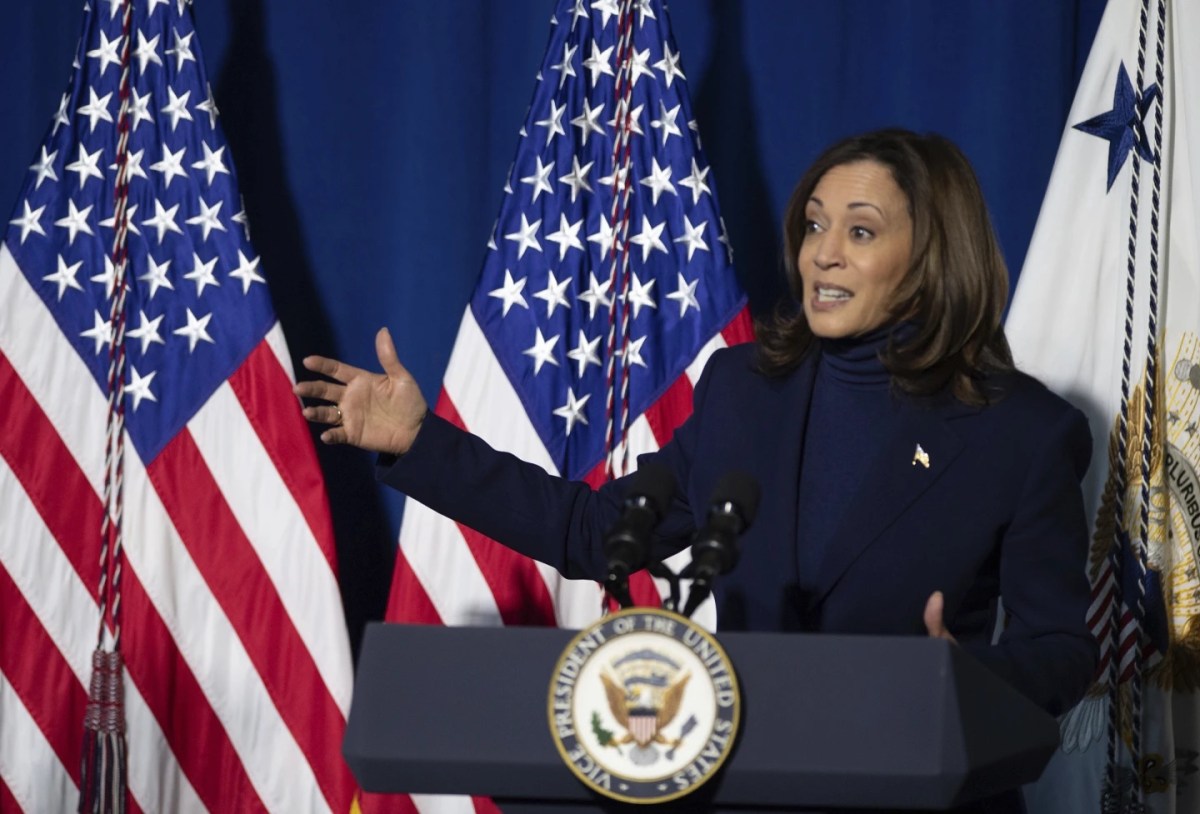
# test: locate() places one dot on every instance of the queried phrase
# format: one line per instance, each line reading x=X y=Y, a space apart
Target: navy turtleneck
x=849 y=416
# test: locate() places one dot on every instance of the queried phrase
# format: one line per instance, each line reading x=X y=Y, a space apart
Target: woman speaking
x=912 y=478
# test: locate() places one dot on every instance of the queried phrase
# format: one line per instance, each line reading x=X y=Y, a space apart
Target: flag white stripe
x=52 y=371
x=445 y=567
x=279 y=533
x=486 y=400
x=62 y=603
x=696 y=367
x=443 y=804
x=28 y=764
x=278 y=345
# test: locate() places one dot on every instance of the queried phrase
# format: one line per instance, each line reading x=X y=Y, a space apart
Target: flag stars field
x=542 y=351
x=211 y=163
x=131 y=223
x=554 y=293
x=510 y=293
x=170 y=165
x=133 y=167
x=44 y=167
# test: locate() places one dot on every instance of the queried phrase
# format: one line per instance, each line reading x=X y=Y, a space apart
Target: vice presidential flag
x=606 y=285
x=237 y=667
x=1107 y=312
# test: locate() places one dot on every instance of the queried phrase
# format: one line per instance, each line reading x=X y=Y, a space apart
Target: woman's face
x=856 y=249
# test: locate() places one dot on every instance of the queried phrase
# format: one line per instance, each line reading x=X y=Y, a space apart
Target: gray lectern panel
x=828 y=721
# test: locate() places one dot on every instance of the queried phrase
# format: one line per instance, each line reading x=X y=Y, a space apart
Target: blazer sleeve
x=551 y=519
x=1046 y=649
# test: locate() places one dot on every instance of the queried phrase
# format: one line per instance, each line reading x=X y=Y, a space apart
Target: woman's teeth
x=832 y=294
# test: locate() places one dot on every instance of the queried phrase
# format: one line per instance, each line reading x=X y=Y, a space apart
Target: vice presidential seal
x=644 y=706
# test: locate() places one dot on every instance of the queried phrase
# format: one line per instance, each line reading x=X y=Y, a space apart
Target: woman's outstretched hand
x=381 y=412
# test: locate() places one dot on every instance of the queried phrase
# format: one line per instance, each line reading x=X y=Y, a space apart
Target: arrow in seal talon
x=688 y=726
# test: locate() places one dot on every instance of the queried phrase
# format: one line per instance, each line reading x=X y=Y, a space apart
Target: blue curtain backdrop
x=372 y=141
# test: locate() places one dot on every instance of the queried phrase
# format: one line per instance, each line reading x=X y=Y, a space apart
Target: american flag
x=606 y=286
x=238 y=672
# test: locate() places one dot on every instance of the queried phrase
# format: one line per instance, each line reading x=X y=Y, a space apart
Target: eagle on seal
x=644 y=709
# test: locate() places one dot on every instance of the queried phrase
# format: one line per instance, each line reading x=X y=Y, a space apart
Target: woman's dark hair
x=956 y=284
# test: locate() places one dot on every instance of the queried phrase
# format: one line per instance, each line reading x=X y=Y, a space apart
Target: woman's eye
x=861 y=233
x=811 y=227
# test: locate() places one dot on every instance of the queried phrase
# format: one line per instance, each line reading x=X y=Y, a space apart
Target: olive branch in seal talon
x=604 y=736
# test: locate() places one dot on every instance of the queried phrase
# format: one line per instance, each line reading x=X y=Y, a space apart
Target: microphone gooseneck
x=732 y=509
x=627 y=544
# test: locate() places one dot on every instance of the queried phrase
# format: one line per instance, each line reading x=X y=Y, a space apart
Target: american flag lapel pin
x=920 y=456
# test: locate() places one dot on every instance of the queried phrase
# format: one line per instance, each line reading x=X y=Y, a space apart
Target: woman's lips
x=827 y=297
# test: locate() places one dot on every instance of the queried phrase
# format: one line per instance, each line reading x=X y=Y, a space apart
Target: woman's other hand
x=381 y=412
x=934 y=609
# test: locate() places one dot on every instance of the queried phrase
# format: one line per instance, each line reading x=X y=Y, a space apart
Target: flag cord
x=1127 y=636
x=614 y=438
x=103 y=776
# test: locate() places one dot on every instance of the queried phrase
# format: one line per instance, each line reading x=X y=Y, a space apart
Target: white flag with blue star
x=1107 y=312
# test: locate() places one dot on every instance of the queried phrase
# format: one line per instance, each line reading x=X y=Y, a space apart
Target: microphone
x=731 y=510
x=627 y=544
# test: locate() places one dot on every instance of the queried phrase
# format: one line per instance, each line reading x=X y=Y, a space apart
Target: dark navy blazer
x=998 y=510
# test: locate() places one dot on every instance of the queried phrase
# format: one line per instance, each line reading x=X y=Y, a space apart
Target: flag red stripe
x=387 y=804
x=284 y=433
x=197 y=737
x=514 y=580
x=45 y=683
x=240 y=584
x=518 y=588
x=740 y=329
x=643 y=591
x=446 y=409
x=63 y=497
x=597 y=476
x=670 y=410
x=408 y=599
x=484 y=805
x=7 y=801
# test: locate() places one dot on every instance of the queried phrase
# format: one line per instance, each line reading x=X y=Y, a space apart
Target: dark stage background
x=371 y=141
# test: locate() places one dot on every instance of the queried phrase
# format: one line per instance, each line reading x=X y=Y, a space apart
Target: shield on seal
x=643 y=724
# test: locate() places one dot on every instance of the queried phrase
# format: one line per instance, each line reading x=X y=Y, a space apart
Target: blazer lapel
x=791 y=402
x=911 y=460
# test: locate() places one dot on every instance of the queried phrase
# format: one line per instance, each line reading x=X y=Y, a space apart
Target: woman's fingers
x=935 y=608
x=331 y=368
x=325 y=414
x=319 y=389
x=334 y=435
x=385 y=349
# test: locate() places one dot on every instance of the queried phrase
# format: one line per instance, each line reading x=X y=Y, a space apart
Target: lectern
x=828 y=722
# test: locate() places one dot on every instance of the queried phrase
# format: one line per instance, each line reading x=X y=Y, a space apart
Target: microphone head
x=739 y=490
x=654 y=482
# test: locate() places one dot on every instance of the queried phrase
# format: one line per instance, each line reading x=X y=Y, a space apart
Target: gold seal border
x=735 y=687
